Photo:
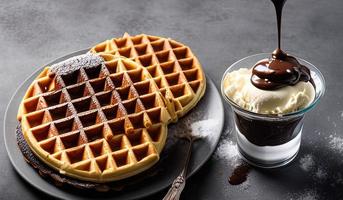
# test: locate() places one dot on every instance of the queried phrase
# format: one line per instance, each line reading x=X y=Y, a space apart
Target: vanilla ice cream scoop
x=238 y=88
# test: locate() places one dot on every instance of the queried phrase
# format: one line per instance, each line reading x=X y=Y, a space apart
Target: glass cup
x=270 y=141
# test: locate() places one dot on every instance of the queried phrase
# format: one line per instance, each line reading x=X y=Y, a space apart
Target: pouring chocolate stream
x=281 y=69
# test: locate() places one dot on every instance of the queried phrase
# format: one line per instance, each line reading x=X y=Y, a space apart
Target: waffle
x=173 y=66
x=103 y=116
x=95 y=120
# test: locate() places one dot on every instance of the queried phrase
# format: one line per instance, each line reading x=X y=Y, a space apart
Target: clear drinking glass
x=270 y=141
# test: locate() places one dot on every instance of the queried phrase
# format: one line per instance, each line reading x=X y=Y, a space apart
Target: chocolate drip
x=279 y=71
x=278 y=4
x=240 y=174
x=282 y=69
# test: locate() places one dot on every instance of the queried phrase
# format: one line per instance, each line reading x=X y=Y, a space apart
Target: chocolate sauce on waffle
x=282 y=69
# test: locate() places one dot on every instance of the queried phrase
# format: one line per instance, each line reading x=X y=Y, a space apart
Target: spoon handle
x=179 y=183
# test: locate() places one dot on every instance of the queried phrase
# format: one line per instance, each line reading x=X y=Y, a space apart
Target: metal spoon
x=179 y=183
x=191 y=132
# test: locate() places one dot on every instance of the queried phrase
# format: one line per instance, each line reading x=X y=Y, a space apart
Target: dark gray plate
x=210 y=109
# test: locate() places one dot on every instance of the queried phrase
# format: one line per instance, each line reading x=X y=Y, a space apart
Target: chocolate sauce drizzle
x=282 y=69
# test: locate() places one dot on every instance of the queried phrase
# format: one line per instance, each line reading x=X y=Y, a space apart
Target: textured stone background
x=219 y=32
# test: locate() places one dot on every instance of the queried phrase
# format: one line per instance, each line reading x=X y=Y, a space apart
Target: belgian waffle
x=93 y=120
x=173 y=66
x=103 y=116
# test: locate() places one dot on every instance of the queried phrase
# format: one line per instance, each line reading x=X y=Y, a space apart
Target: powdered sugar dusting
x=336 y=143
x=228 y=151
x=341 y=114
x=245 y=185
x=72 y=64
x=307 y=162
x=204 y=128
x=321 y=174
x=306 y=195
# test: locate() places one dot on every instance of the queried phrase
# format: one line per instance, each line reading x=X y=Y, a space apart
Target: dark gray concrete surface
x=219 y=32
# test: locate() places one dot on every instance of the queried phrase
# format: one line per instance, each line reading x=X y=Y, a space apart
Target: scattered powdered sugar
x=245 y=185
x=204 y=128
x=72 y=64
x=341 y=114
x=228 y=151
x=307 y=162
x=321 y=174
x=306 y=195
x=336 y=143
x=198 y=124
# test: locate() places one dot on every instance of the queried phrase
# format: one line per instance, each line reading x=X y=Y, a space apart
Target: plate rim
x=75 y=53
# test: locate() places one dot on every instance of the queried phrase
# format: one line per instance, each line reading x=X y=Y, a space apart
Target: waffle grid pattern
x=97 y=122
x=172 y=65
